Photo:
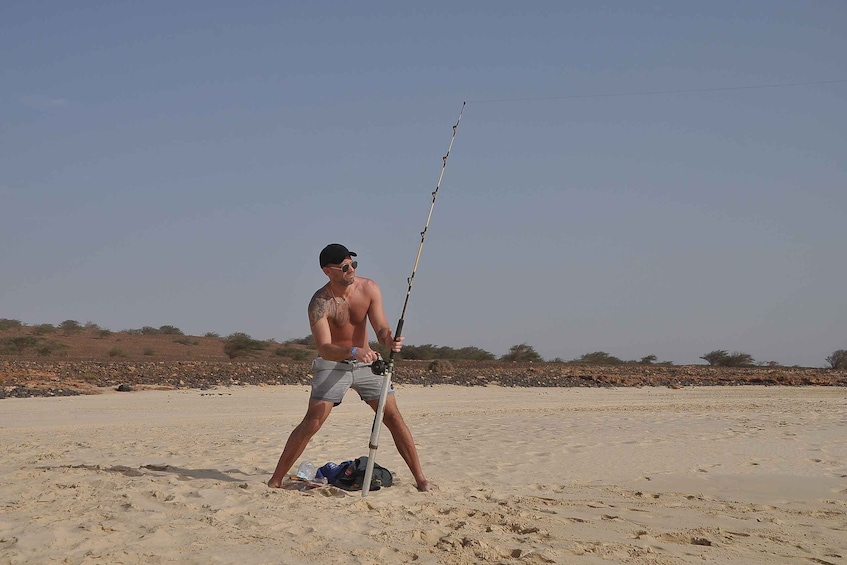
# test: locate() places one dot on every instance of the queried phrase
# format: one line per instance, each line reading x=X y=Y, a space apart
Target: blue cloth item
x=330 y=471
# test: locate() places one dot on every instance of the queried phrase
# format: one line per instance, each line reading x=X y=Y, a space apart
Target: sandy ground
x=742 y=475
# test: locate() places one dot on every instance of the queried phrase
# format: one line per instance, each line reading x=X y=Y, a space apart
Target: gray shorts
x=331 y=380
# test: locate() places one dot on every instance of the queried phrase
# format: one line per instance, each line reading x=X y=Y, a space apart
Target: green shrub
x=8 y=324
x=170 y=330
x=474 y=354
x=293 y=353
x=211 y=334
x=308 y=341
x=838 y=359
x=117 y=352
x=720 y=358
x=49 y=347
x=599 y=358
x=240 y=344
x=148 y=351
x=15 y=345
x=522 y=352
x=430 y=351
x=43 y=329
x=70 y=327
x=185 y=341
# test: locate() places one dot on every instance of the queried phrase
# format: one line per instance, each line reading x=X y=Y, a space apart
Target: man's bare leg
x=393 y=420
x=316 y=415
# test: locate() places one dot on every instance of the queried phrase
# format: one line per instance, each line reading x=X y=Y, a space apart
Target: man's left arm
x=376 y=315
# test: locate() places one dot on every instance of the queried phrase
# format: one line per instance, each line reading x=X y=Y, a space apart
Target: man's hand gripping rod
x=380 y=410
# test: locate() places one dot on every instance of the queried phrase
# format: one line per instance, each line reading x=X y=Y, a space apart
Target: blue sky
x=611 y=187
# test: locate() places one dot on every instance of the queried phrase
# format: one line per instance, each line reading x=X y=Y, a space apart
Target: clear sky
x=611 y=187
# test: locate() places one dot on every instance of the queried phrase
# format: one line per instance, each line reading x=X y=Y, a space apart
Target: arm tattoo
x=317 y=309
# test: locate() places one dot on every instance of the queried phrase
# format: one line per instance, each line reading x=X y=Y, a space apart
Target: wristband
x=353 y=352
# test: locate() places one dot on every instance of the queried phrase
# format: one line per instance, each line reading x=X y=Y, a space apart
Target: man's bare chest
x=344 y=314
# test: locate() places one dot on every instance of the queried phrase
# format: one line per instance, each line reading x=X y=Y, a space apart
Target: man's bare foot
x=274 y=484
x=426 y=486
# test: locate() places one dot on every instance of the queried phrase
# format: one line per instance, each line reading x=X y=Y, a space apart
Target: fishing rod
x=379 y=367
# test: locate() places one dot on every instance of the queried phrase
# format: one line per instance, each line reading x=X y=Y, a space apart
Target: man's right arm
x=319 y=321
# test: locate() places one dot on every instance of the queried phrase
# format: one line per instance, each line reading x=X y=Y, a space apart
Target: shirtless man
x=338 y=315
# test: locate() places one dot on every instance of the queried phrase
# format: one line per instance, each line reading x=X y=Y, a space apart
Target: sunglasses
x=346 y=266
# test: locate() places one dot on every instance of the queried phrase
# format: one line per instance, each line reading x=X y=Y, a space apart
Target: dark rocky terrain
x=37 y=377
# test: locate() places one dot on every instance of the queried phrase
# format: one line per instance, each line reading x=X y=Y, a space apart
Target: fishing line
x=656 y=92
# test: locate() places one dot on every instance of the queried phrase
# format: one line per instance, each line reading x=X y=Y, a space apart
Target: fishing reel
x=379 y=367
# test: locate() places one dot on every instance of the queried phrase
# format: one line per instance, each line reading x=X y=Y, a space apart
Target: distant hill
x=44 y=342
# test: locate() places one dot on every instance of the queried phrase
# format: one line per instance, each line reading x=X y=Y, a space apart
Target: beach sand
x=741 y=475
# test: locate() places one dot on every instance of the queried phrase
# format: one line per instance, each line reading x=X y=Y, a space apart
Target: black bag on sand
x=352 y=475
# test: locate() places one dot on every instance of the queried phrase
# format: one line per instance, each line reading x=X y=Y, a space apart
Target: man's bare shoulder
x=321 y=295
x=366 y=283
x=319 y=305
x=368 y=287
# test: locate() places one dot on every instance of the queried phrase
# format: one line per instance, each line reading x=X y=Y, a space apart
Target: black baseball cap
x=334 y=253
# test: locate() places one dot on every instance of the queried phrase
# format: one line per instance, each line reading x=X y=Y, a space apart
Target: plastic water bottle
x=307 y=471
